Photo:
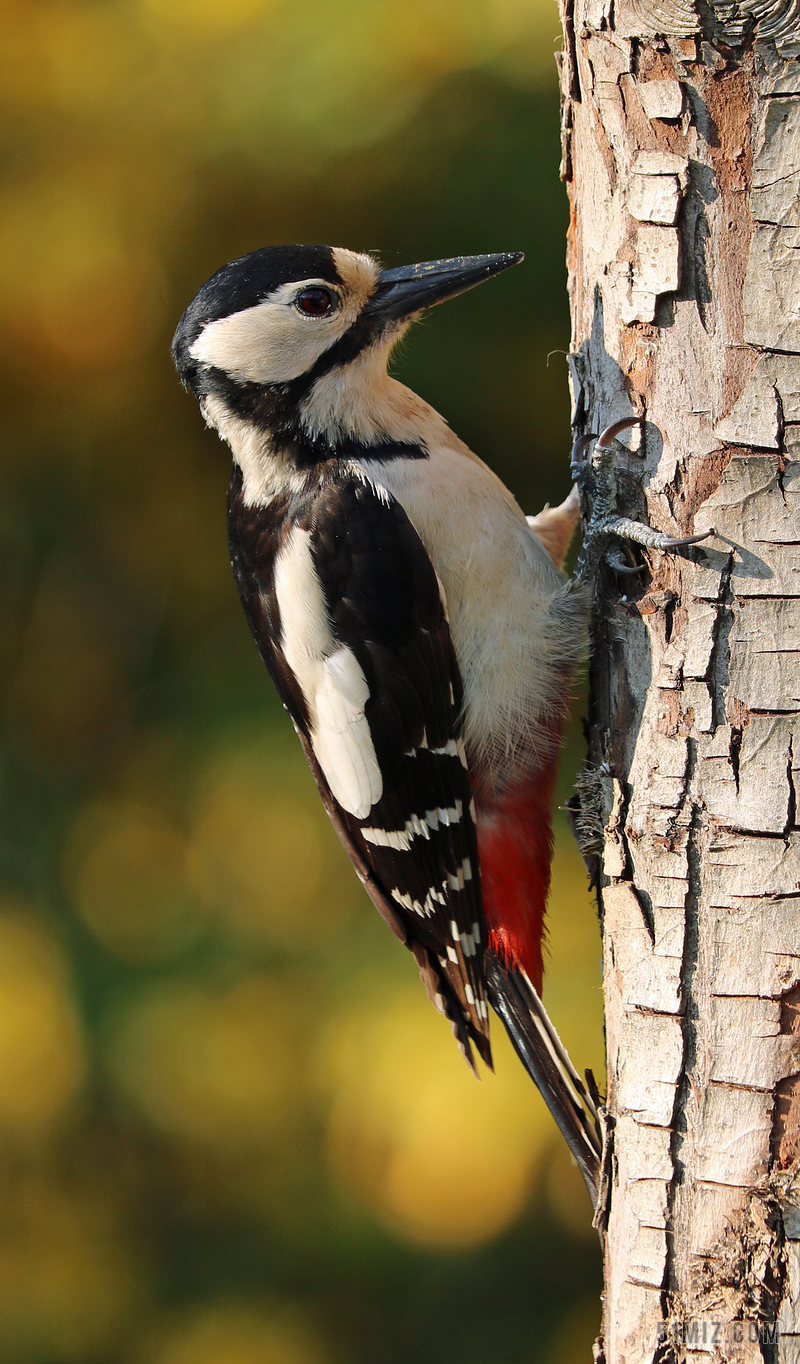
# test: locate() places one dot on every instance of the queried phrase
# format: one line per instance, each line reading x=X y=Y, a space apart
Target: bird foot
x=596 y=477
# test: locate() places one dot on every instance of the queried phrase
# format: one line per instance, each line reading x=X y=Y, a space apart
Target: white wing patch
x=341 y=736
x=330 y=678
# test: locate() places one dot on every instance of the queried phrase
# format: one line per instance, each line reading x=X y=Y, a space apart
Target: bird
x=418 y=627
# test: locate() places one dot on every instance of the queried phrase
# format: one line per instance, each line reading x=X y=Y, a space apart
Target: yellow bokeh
x=76 y=55
x=42 y=1059
x=266 y=856
x=339 y=74
x=231 y=1334
x=445 y=1159
x=223 y=1067
x=76 y=283
x=69 y=1285
x=204 y=19
x=125 y=869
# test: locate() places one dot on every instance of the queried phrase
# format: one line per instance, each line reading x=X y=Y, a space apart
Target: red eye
x=315 y=302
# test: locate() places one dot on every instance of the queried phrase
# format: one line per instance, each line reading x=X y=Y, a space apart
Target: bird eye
x=315 y=302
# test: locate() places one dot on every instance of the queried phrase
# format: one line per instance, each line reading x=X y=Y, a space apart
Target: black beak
x=411 y=288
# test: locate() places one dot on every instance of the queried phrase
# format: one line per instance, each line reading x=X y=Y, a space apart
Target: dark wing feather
x=416 y=851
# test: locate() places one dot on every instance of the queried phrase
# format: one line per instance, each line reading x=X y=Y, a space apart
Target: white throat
x=361 y=401
x=266 y=474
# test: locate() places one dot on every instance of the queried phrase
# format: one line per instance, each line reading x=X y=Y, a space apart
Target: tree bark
x=681 y=130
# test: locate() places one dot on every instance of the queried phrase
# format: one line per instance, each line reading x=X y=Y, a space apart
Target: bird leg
x=597 y=478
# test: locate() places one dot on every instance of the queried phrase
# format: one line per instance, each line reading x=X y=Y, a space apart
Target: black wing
x=377 y=703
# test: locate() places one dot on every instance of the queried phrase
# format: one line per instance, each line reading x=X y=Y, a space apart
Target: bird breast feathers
x=516 y=631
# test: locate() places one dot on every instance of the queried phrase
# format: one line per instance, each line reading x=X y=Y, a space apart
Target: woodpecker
x=418 y=627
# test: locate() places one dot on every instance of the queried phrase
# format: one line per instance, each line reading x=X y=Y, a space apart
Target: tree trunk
x=681 y=131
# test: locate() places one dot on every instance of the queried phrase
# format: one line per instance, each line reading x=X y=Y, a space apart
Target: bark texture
x=681 y=131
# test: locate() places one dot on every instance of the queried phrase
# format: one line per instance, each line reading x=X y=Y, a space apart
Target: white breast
x=516 y=632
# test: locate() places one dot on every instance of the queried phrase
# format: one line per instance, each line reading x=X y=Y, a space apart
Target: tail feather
x=544 y=1056
x=443 y=997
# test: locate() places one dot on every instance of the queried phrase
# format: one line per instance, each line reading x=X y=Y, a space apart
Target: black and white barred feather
x=350 y=618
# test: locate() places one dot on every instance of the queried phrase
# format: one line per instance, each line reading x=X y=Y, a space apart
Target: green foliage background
x=232 y=1131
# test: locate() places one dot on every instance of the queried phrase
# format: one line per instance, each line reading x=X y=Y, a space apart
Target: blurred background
x=232 y=1130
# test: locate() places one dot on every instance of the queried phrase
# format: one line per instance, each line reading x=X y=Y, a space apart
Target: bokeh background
x=232 y=1130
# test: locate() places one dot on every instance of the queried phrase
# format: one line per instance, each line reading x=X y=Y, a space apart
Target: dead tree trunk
x=682 y=156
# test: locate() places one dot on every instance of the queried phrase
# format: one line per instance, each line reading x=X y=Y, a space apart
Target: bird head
x=269 y=326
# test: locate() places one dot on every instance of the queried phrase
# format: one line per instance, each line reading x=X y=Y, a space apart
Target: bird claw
x=578 y=466
x=581 y=467
x=616 y=562
x=596 y=477
x=668 y=543
x=639 y=534
x=605 y=441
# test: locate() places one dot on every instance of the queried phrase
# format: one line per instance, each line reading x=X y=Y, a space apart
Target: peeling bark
x=681 y=129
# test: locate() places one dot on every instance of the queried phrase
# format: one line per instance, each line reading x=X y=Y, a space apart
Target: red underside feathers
x=515 y=843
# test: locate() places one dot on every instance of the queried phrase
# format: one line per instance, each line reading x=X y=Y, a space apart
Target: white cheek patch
x=273 y=343
x=331 y=680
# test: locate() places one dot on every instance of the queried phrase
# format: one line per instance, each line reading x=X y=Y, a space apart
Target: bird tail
x=545 y=1058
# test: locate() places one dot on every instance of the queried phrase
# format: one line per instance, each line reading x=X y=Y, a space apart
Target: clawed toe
x=596 y=477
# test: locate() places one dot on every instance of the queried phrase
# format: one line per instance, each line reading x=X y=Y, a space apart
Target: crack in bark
x=669 y=615
x=780 y=476
x=791 y=810
x=718 y=669
x=689 y=962
x=765 y=835
x=735 y=749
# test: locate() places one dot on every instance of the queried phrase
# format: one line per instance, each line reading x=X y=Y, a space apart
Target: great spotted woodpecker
x=416 y=625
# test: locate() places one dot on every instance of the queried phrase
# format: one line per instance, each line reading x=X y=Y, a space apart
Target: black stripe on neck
x=275 y=411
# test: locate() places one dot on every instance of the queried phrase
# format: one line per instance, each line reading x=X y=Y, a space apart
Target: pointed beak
x=409 y=289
